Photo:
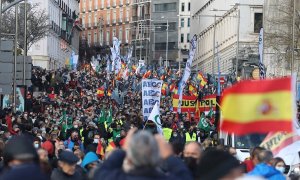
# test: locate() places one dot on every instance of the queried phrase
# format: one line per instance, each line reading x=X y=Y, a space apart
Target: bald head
x=192 y=149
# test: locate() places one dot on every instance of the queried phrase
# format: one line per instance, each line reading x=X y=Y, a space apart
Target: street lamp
x=167 y=43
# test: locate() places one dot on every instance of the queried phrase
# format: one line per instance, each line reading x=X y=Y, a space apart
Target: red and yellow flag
x=109 y=92
x=258 y=107
x=100 y=92
x=164 y=89
x=147 y=74
x=193 y=90
x=202 y=79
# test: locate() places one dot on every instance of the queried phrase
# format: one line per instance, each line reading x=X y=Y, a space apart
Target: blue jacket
x=112 y=169
x=267 y=172
x=69 y=144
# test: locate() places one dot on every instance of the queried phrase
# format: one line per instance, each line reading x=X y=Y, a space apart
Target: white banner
x=187 y=71
x=151 y=91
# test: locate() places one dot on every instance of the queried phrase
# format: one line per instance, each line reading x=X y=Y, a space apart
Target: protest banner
x=188 y=103
x=151 y=92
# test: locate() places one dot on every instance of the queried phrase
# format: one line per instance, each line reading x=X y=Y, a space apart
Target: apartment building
x=56 y=48
x=104 y=19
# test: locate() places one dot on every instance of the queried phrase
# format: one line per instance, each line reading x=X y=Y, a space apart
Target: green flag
x=203 y=124
x=211 y=112
x=63 y=117
x=102 y=116
x=109 y=116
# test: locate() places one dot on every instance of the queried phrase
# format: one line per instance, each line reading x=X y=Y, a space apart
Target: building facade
x=184 y=19
x=56 y=48
x=164 y=19
x=230 y=27
x=141 y=30
x=104 y=19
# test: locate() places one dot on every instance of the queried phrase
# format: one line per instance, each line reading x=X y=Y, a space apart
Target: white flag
x=154 y=116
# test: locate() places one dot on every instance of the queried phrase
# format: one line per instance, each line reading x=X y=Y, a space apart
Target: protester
x=251 y=162
x=66 y=167
x=279 y=164
x=264 y=169
x=21 y=161
x=141 y=158
x=191 y=156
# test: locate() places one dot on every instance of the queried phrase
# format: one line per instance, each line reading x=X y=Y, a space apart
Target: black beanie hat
x=20 y=148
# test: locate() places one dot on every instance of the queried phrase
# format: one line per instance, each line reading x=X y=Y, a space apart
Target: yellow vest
x=189 y=139
x=167 y=133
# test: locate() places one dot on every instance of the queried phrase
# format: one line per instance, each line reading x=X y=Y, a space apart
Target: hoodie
x=267 y=172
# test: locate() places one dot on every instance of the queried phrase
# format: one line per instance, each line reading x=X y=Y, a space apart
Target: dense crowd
x=68 y=131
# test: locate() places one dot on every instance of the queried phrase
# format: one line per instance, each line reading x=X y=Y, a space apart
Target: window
x=83 y=21
x=83 y=6
x=102 y=3
x=115 y=2
x=120 y=34
x=96 y=4
x=90 y=20
x=165 y=7
x=188 y=37
x=182 y=38
x=114 y=15
x=89 y=38
x=108 y=3
x=121 y=2
x=95 y=19
x=108 y=16
x=163 y=26
x=107 y=37
x=258 y=21
x=121 y=14
x=114 y=32
x=90 y=5
x=162 y=46
x=127 y=35
x=95 y=37
x=189 y=7
x=127 y=14
x=182 y=7
x=189 y=22
x=182 y=22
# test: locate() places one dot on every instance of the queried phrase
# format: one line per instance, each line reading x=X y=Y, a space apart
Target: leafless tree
x=278 y=39
x=37 y=24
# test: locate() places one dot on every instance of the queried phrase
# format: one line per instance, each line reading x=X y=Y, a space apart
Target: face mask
x=181 y=126
x=79 y=162
x=96 y=141
x=190 y=162
x=281 y=169
x=75 y=126
x=55 y=128
x=175 y=134
x=36 y=146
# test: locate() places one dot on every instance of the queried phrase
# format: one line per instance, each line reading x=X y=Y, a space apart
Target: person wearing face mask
x=191 y=156
x=279 y=164
x=70 y=142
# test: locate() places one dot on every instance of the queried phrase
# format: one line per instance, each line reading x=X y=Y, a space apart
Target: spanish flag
x=202 y=79
x=147 y=74
x=193 y=90
x=258 y=107
x=123 y=65
x=100 y=92
x=164 y=89
x=133 y=68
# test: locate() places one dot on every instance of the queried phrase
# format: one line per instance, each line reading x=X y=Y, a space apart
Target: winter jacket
x=112 y=169
x=25 y=172
x=266 y=171
x=58 y=174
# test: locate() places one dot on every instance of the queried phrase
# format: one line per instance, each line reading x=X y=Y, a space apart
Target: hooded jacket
x=267 y=172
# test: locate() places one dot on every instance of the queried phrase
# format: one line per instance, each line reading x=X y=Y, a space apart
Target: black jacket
x=58 y=174
x=112 y=169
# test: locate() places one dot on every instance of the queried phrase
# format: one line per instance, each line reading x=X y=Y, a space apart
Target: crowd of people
x=70 y=131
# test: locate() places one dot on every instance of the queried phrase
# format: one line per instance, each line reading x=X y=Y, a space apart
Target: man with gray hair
x=264 y=168
x=141 y=159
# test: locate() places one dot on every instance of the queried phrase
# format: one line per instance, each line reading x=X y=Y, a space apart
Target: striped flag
x=258 y=107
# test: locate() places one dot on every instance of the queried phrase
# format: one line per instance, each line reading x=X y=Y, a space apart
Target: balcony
x=127 y=19
x=108 y=22
x=108 y=6
x=114 y=21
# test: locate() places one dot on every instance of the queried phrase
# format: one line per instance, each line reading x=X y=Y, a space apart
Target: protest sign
x=151 y=91
x=188 y=103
